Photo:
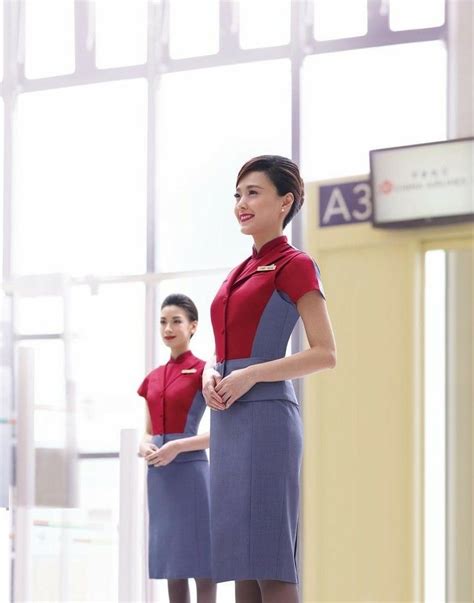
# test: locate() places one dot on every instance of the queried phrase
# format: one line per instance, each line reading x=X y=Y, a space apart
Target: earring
x=282 y=209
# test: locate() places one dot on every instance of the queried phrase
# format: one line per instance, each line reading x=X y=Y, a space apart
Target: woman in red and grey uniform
x=256 y=428
x=178 y=467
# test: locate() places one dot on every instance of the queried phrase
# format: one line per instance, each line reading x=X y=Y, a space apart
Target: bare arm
x=197 y=442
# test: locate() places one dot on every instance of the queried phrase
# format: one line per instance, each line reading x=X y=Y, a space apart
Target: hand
x=146 y=447
x=164 y=455
x=210 y=378
x=235 y=385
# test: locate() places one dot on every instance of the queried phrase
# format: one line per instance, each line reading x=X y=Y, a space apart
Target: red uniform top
x=173 y=394
x=254 y=311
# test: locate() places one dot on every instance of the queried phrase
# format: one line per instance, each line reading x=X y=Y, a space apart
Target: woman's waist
x=188 y=455
x=263 y=390
x=230 y=364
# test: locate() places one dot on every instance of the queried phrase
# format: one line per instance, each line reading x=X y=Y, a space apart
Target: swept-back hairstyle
x=184 y=302
x=284 y=174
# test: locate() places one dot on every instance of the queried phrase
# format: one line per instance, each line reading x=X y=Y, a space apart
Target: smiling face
x=176 y=328
x=259 y=209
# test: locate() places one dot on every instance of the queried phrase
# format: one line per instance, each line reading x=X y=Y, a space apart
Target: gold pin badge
x=265 y=268
x=187 y=371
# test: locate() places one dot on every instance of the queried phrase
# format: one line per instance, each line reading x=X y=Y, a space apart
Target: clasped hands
x=221 y=392
x=159 y=457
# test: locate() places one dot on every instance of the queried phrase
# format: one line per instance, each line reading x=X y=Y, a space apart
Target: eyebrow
x=249 y=186
x=177 y=316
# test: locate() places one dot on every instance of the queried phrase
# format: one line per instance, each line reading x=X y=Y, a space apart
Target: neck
x=175 y=352
x=260 y=239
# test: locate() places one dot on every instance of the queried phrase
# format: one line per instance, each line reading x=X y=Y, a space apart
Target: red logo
x=386 y=187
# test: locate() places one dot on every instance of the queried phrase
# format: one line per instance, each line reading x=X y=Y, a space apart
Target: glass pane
x=245 y=111
x=99 y=485
x=339 y=19
x=2 y=197
x=416 y=14
x=7 y=423
x=35 y=315
x=74 y=555
x=264 y=23
x=1 y=41
x=107 y=362
x=194 y=28
x=121 y=32
x=49 y=37
x=357 y=100
x=5 y=554
x=435 y=426
x=48 y=374
x=49 y=392
x=80 y=181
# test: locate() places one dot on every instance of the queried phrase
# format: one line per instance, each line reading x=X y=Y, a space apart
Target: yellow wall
x=362 y=498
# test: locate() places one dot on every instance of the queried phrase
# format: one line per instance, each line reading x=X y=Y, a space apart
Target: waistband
x=182 y=457
x=264 y=390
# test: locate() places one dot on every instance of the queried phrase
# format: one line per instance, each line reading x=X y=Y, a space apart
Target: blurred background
x=123 y=124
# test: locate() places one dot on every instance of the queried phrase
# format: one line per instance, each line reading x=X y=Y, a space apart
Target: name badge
x=265 y=268
x=187 y=371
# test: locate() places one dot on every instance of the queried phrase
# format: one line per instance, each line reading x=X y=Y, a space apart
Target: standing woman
x=256 y=429
x=178 y=468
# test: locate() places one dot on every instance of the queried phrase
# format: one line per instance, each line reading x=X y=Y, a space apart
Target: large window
x=124 y=124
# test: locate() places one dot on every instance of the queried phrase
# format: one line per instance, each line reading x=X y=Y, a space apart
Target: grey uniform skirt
x=179 y=529
x=256 y=453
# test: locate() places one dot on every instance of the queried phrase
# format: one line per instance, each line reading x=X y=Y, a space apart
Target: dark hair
x=184 y=302
x=284 y=174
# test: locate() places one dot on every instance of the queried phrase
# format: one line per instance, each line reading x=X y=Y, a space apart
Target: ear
x=288 y=202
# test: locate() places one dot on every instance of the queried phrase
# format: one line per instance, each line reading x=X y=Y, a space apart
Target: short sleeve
x=298 y=276
x=143 y=389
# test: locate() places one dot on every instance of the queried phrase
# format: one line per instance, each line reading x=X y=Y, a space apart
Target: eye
x=236 y=195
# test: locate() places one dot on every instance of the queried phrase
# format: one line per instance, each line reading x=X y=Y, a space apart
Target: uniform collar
x=181 y=358
x=268 y=246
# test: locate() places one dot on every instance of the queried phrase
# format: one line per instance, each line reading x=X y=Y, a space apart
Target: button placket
x=224 y=301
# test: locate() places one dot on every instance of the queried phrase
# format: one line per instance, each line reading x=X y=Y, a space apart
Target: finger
x=217 y=398
x=211 y=397
x=220 y=384
x=212 y=390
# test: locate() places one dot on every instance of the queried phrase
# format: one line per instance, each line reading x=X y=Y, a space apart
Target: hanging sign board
x=423 y=185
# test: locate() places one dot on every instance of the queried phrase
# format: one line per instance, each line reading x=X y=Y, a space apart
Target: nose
x=241 y=203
